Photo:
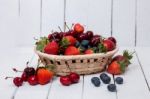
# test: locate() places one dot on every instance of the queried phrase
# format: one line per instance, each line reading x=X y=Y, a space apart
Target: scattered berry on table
x=112 y=87
x=119 y=80
x=105 y=78
x=96 y=81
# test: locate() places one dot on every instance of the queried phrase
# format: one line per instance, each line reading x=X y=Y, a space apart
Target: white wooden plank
x=77 y=11
x=9 y=60
x=99 y=17
x=124 y=22
x=66 y=92
x=134 y=86
x=143 y=24
x=143 y=55
x=52 y=16
x=92 y=92
x=8 y=17
x=28 y=23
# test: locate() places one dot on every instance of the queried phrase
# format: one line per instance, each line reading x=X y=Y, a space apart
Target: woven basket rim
x=71 y=57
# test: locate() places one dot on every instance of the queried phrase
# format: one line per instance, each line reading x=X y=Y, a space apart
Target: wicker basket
x=81 y=64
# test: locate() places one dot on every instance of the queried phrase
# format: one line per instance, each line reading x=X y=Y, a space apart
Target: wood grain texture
x=124 y=22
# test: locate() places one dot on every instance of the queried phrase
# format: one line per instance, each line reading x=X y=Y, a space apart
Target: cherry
x=29 y=71
x=89 y=34
x=24 y=76
x=113 y=40
x=72 y=33
x=74 y=77
x=65 y=80
x=81 y=37
x=33 y=80
x=17 y=81
x=95 y=41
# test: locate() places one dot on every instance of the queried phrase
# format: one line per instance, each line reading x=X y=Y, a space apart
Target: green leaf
x=101 y=48
x=122 y=66
x=42 y=43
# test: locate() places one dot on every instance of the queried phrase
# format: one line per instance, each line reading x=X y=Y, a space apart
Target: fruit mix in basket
x=75 y=41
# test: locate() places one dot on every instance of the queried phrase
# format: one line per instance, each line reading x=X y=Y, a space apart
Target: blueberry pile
x=96 y=81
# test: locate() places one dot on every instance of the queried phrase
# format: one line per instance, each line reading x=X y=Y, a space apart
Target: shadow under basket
x=81 y=64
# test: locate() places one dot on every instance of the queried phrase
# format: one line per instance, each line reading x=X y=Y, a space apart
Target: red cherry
x=18 y=81
x=29 y=71
x=74 y=77
x=81 y=37
x=24 y=76
x=32 y=80
x=112 y=39
x=109 y=45
x=95 y=41
x=65 y=80
x=89 y=34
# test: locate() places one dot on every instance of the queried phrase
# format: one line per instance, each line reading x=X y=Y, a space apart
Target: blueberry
x=77 y=44
x=111 y=87
x=82 y=48
x=85 y=43
x=105 y=78
x=96 y=81
x=119 y=80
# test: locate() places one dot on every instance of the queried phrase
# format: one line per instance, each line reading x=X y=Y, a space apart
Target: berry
x=89 y=34
x=95 y=41
x=78 y=28
x=96 y=81
x=81 y=37
x=109 y=45
x=24 y=76
x=89 y=51
x=29 y=71
x=65 y=80
x=51 y=48
x=32 y=80
x=72 y=33
x=44 y=76
x=82 y=48
x=74 y=77
x=111 y=87
x=112 y=39
x=71 y=50
x=105 y=78
x=70 y=39
x=18 y=81
x=85 y=43
x=77 y=44
x=119 y=80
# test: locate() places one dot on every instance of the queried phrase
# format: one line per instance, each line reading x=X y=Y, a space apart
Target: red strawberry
x=109 y=45
x=70 y=39
x=71 y=50
x=116 y=68
x=78 y=28
x=51 y=48
x=89 y=51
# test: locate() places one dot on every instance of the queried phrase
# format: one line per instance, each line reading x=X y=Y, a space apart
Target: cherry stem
x=60 y=29
x=67 y=26
x=132 y=53
x=8 y=77
x=14 y=69
x=68 y=67
x=72 y=25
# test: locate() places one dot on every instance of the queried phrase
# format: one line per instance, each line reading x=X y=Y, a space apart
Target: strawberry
x=71 y=50
x=109 y=45
x=51 y=48
x=44 y=76
x=89 y=51
x=116 y=68
x=70 y=39
x=78 y=28
x=120 y=63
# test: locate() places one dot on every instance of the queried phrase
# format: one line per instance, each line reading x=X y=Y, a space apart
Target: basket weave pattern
x=81 y=64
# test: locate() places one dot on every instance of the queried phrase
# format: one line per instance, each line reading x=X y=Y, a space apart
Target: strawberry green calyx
x=101 y=48
x=64 y=43
x=122 y=66
x=128 y=56
x=42 y=43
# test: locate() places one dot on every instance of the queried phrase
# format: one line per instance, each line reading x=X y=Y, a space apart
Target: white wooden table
x=136 y=80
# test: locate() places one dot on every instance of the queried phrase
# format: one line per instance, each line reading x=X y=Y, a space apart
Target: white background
x=127 y=20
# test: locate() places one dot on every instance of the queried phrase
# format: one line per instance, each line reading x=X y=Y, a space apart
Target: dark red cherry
x=89 y=34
